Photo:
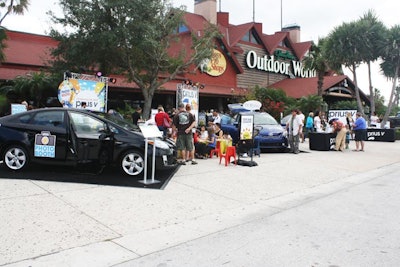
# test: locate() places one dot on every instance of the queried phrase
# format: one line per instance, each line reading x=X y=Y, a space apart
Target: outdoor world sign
x=273 y=64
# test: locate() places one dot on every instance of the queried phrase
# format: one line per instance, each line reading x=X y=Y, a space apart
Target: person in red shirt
x=163 y=121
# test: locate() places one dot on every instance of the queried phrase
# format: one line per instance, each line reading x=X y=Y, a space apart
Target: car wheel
x=15 y=158
x=132 y=162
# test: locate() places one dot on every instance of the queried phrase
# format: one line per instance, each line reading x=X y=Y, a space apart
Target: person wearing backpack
x=340 y=130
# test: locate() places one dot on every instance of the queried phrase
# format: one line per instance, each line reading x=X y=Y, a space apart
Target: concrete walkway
x=64 y=224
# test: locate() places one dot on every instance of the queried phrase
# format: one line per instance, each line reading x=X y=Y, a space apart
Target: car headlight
x=159 y=144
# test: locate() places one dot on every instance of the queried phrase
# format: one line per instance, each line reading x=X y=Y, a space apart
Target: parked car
x=268 y=132
x=76 y=136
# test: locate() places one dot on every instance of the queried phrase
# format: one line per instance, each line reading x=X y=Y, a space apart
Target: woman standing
x=309 y=124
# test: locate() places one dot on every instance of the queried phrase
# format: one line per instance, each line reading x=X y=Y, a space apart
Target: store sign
x=273 y=64
x=215 y=66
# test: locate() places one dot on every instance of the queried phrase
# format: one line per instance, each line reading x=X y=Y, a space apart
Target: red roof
x=306 y=86
x=28 y=49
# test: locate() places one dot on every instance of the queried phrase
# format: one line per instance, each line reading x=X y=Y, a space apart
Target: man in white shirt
x=216 y=117
x=294 y=127
x=302 y=118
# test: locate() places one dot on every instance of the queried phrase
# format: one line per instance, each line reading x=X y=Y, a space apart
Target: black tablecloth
x=385 y=135
x=322 y=141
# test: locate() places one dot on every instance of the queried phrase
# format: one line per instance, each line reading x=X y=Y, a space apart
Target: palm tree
x=11 y=7
x=315 y=60
x=342 y=47
x=373 y=33
x=34 y=86
x=17 y=7
x=391 y=64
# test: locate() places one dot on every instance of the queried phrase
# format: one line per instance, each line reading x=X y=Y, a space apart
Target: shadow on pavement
x=88 y=175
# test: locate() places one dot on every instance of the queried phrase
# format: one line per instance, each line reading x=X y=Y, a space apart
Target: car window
x=264 y=119
x=49 y=118
x=24 y=118
x=86 y=124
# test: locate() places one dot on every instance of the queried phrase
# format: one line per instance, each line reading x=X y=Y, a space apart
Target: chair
x=216 y=150
x=230 y=153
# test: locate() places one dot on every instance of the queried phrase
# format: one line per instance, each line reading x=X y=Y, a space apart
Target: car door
x=86 y=130
x=47 y=131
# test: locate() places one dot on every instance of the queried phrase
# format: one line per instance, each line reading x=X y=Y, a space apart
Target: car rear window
x=49 y=118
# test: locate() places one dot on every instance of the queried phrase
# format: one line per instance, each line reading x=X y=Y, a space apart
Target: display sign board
x=17 y=108
x=341 y=115
x=45 y=145
x=188 y=94
x=246 y=127
x=150 y=131
x=72 y=92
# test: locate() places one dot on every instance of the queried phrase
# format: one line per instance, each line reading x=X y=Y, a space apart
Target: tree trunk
x=371 y=89
x=359 y=104
x=391 y=100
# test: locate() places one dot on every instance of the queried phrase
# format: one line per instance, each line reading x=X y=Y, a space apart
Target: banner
x=72 y=92
x=188 y=94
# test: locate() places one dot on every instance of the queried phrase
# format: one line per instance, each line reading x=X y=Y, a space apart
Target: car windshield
x=127 y=125
x=264 y=119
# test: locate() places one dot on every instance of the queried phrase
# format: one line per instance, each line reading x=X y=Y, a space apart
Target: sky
x=316 y=18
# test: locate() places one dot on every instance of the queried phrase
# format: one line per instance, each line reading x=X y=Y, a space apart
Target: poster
x=72 y=92
x=188 y=94
x=246 y=127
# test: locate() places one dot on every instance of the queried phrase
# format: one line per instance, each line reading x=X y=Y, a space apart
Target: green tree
x=391 y=64
x=132 y=38
x=310 y=103
x=373 y=35
x=36 y=86
x=317 y=60
x=342 y=47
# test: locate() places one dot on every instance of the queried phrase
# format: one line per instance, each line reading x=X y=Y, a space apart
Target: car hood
x=269 y=129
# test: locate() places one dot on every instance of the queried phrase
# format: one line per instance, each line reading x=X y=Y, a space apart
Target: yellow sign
x=215 y=66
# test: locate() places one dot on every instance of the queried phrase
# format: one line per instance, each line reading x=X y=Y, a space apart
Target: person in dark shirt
x=137 y=116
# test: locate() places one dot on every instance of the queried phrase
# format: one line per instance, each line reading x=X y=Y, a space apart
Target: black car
x=76 y=136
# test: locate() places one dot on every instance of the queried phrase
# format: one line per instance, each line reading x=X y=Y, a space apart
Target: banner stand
x=246 y=142
x=150 y=132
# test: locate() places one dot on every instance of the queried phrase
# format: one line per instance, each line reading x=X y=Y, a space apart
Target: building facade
x=243 y=58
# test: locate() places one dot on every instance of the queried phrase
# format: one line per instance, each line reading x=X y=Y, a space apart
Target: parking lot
x=55 y=223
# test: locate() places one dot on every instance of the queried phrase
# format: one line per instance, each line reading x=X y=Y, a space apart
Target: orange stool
x=230 y=153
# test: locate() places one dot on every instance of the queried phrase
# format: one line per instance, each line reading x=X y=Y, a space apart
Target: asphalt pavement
x=317 y=208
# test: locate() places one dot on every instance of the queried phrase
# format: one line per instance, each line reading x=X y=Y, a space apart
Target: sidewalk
x=61 y=224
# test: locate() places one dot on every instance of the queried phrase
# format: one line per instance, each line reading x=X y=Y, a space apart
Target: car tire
x=15 y=158
x=132 y=162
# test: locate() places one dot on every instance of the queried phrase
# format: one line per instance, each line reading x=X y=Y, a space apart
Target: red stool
x=216 y=150
x=230 y=153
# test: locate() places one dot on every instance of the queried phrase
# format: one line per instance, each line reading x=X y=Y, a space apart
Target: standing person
x=162 y=120
x=183 y=123
x=360 y=132
x=302 y=118
x=340 y=130
x=137 y=116
x=294 y=127
x=191 y=154
x=374 y=120
x=317 y=122
x=309 y=124
x=350 y=121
